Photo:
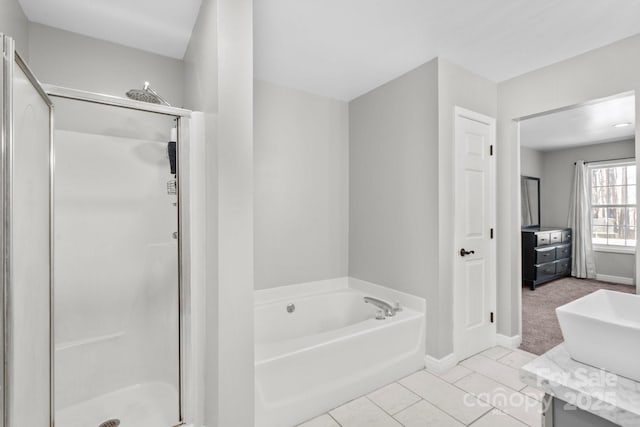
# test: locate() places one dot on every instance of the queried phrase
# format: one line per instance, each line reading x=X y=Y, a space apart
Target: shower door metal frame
x=12 y=58
x=184 y=271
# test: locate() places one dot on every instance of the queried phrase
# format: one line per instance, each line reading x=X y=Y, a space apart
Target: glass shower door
x=26 y=243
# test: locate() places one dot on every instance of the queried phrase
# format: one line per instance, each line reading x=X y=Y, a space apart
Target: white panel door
x=474 y=275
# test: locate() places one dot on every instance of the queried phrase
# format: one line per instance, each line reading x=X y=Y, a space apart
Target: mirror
x=530 y=193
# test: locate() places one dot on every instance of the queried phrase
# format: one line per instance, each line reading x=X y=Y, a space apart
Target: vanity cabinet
x=546 y=254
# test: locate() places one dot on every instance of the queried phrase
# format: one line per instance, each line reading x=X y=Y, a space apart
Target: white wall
x=530 y=162
x=596 y=74
x=201 y=94
x=13 y=23
x=219 y=80
x=235 y=212
x=301 y=186
x=555 y=192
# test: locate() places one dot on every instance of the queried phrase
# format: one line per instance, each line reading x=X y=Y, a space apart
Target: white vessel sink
x=602 y=329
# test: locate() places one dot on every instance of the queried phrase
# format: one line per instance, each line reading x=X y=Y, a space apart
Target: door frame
x=491 y=122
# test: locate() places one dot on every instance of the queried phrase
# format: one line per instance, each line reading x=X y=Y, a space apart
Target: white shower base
x=143 y=405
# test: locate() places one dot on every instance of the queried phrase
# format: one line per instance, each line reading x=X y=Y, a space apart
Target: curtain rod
x=608 y=160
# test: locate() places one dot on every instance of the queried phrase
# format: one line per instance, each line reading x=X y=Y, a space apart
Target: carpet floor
x=540 y=328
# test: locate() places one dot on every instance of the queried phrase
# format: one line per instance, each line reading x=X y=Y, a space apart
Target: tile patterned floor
x=482 y=391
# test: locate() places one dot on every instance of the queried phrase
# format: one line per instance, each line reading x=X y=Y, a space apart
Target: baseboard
x=508 y=342
x=440 y=366
x=615 y=279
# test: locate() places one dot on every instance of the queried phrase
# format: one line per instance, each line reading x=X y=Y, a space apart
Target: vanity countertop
x=604 y=394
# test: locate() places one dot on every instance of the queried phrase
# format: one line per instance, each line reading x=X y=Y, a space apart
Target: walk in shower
x=96 y=278
x=116 y=299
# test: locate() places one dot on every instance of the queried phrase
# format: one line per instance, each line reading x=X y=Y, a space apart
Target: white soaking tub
x=331 y=348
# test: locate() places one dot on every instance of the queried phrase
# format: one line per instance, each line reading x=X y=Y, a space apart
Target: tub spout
x=389 y=310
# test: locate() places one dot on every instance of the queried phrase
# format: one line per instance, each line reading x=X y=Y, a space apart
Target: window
x=613 y=203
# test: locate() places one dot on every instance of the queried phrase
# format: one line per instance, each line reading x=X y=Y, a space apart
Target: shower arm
x=148 y=88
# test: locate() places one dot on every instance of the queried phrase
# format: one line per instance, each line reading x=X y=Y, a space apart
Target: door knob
x=463 y=252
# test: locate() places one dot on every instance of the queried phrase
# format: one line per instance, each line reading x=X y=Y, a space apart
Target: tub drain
x=110 y=423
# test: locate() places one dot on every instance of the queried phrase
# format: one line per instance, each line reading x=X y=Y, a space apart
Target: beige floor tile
x=533 y=392
x=496 y=353
x=485 y=388
x=460 y=405
x=455 y=373
x=321 y=421
x=526 y=353
x=393 y=398
x=497 y=418
x=490 y=368
x=516 y=404
x=525 y=408
x=424 y=414
x=362 y=413
x=516 y=359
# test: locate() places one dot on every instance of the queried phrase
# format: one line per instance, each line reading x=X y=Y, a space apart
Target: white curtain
x=582 y=265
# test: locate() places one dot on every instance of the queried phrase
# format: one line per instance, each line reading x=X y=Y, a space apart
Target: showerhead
x=146 y=94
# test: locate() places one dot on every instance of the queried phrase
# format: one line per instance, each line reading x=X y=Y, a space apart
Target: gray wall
x=13 y=22
x=400 y=185
x=393 y=188
x=596 y=74
x=530 y=162
x=557 y=175
x=219 y=81
x=393 y=182
x=72 y=60
x=301 y=186
x=555 y=192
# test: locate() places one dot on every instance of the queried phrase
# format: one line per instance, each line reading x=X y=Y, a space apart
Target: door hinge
x=491 y=317
x=491 y=150
x=491 y=233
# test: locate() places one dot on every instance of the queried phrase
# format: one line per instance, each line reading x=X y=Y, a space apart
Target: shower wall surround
x=116 y=266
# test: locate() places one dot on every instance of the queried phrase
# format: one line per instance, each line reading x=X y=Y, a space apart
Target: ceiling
x=584 y=125
x=162 y=27
x=344 y=48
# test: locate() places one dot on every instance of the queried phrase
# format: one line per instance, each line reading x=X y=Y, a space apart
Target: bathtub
x=330 y=348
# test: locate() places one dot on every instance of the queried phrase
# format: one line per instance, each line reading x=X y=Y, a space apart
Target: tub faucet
x=388 y=309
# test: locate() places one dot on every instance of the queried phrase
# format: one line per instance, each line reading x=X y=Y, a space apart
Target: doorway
x=553 y=145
